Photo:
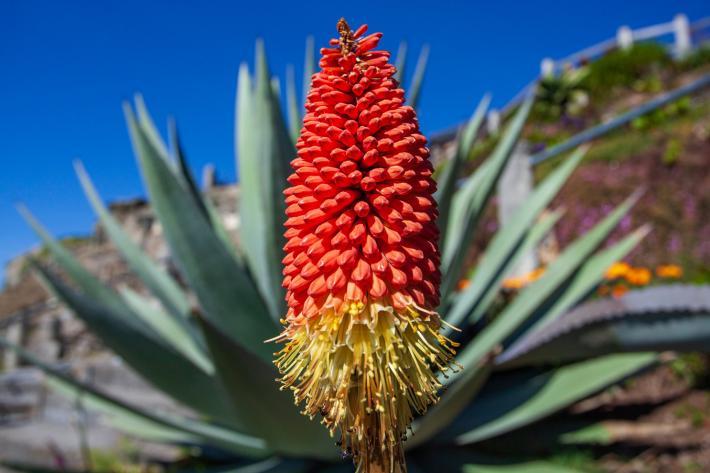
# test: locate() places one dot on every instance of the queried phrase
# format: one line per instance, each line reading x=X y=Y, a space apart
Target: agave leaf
x=459 y=210
x=452 y=169
x=149 y=128
x=202 y=201
x=507 y=239
x=270 y=465
x=175 y=334
x=529 y=243
x=128 y=420
x=156 y=362
x=534 y=295
x=182 y=166
x=159 y=283
x=294 y=111
x=27 y=468
x=400 y=63
x=261 y=404
x=415 y=88
x=309 y=64
x=184 y=428
x=551 y=434
x=512 y=400
x=660 y=318
x=471 y=199
x=531 y=466
x=88 y=283
x=264 y=150
x=452 y=402
x=588 y=277
x=224 y=289
x=468 y=461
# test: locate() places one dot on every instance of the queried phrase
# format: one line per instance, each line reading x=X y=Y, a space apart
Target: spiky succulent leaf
x=455 y=400
x=294 y=111
x=226 y=293
x=505 y=242
x=400 y=62
x=162 y=424
x=173 y=333
x=260 y=404
x=470 y=202
x=539 y=230
x=309 y=65
x=512 y=400
x=468 y=461
x=86 y=281
x=203 y=202
x=675 y=317
x=536 y=294
x=415 y=88
x=159 y=283
x=449 y=177
x=584 y=281
x=158 y=363
x=264 y=150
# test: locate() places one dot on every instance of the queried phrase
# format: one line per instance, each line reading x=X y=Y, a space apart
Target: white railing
x=686 y=36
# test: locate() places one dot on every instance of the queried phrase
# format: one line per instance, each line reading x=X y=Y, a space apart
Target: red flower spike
x=361 y=257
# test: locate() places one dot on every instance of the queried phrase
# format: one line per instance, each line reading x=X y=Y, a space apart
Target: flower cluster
x=363 y=342
x=619 y=276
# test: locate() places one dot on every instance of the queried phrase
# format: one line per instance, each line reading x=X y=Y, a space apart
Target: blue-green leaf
x=512 y=400
x=160 y=284
x=662 y=318
x=534 y=295
x=491 y=266
x=226 y=293
x=450 y=174
x=163 y=425
x=172 y=332
x=261 y=404
x=470 y=202
x=264 y=151
x=157 y=362
x=400 y=63
x=415 y=88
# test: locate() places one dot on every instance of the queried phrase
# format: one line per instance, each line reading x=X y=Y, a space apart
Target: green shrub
x=673 y=150
x=622 y=68
x=698 y=58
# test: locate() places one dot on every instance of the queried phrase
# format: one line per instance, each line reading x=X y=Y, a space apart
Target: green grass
x=576 y=459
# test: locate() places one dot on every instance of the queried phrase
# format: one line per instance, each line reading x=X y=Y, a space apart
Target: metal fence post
x=681 y=30
x=493 y=121
x=514 y=188
x=547 y=67
x=624 y=38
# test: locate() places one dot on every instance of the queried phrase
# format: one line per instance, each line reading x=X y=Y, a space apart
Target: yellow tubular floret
x=367 y=371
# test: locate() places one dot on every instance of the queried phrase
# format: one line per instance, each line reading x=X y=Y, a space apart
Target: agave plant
x=203 y=345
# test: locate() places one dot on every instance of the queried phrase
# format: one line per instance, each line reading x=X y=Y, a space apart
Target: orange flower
x=463 y=284
x=513 y=283
x=518 y=282
x=619 y=290
x=638 y=276
x=617 y=270
x=669 y=271
x=535 y=274
x=363 y=341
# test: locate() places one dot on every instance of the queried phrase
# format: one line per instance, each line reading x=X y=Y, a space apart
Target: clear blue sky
x=67 y=65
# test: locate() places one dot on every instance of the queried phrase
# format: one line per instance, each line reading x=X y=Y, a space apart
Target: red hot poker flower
x=362 y=263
